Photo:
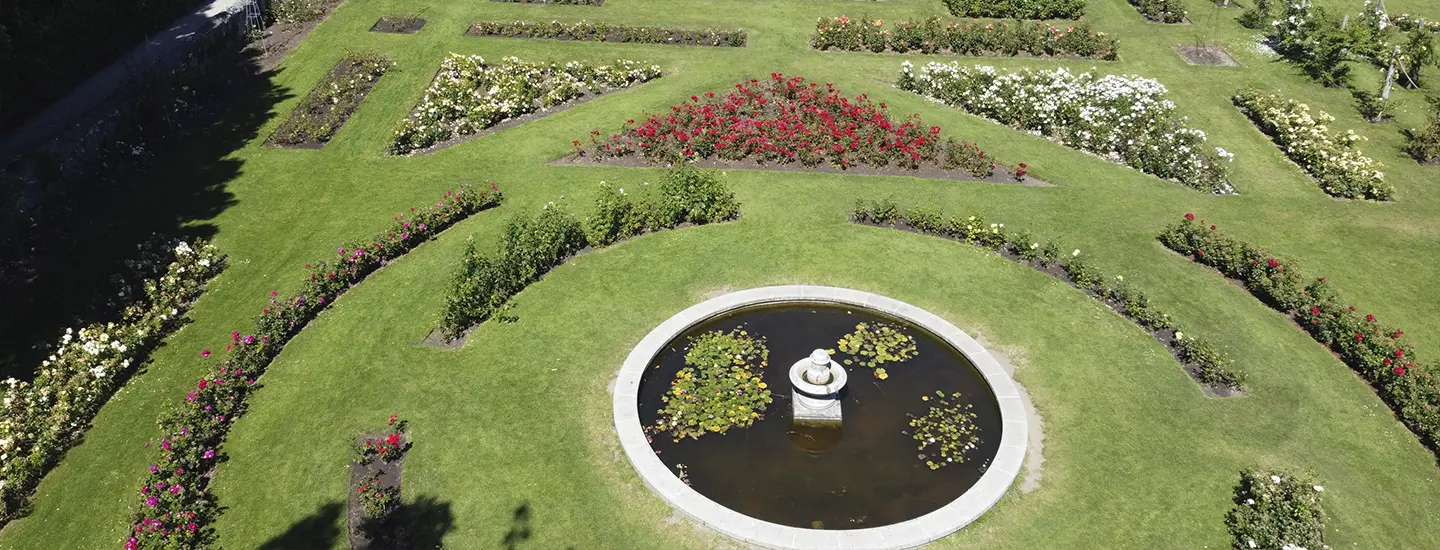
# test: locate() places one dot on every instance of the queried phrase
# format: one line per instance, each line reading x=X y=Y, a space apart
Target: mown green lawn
x=519 y=418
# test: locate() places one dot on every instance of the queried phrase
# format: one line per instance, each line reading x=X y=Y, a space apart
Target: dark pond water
x=872 y=476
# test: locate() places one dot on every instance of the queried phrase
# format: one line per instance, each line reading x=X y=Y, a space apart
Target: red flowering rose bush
x=41 y=419
x=936 y=36
x=378 y=500
x=1374 y=350
x=175 y=505
x=783 y=121
x=1200 y=358
x=1277 y=510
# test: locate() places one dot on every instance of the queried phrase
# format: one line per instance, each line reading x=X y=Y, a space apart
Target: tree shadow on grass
x=317 y=530
x=61 y=276
x=520 y=530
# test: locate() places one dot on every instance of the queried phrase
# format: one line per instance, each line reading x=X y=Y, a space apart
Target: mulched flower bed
x=365 y=534
x=790 y=123
x=321 y=114
x=602 y=32
x=1214 y=56
x=399 y=25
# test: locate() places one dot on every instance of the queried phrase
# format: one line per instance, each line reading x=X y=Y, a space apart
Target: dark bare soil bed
x=1214 y=56
x=399 y=25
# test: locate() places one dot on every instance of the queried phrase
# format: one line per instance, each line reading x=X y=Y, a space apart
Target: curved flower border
x=176 y=507
x=41 y=420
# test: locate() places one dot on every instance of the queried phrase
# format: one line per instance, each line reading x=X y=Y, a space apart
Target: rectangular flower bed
x=1334 y=162
x=1161 y=11
x=605 y=32
x=936 y=36
x=1018 y=9
x=596 y=3
x=398 y=25
x=468 y=95
x=1125 y=119
x=331 y=102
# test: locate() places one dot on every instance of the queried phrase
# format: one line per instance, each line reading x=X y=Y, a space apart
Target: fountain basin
x=894 y=519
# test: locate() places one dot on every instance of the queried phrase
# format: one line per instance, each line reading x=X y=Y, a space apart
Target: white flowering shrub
x=40 y=420
x=468 y=95
x=1305 y=136
x=1277 y=510
x=1126 y=119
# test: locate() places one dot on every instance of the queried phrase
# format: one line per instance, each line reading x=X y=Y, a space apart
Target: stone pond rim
x=950 y=518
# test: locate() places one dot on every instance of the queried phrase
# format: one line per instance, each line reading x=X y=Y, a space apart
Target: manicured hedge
x=175 y=507
x=1374 y=350
x=1201 y=359
x=1277 y=510
x=936 y=36
x=316 y=119
x=531 y=247
x=40 y=420
x=1018 y=9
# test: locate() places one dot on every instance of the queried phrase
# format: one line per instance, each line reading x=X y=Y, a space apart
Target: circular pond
x=741 y=462
x=866 y=471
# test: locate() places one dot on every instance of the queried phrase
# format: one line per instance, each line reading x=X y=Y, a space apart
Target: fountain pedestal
x=815 y=395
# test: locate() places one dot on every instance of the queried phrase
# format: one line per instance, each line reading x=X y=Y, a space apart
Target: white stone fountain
x=816 y=382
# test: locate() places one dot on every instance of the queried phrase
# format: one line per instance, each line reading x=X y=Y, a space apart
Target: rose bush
x=1332 y=159
x=1372 y=349
x=1205 y=362
x=785 y=120
x=40 y=420
x=1125 y=119
x=316 y=119
x=1277 y=510
x=934 y=36
x=468 y=95
x=1424 y=143
x=529 y=248
x=1018 y=9
x=176 y=507
x=1161 y=11
x=604 y=32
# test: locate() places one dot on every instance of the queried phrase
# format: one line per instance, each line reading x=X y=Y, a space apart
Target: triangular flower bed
x=791 y=124
x=469 y=96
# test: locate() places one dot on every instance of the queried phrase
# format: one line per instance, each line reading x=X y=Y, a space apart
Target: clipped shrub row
x=531 y=247
x=606 y=32
x=316 y=119
x=936 y=36
x=596 y=3
x=1201 y=359
x=1334 y=162
x=1373 y=350
x=40 y=420
x=175 y=506
x=1277 y=510
x=1017 y=9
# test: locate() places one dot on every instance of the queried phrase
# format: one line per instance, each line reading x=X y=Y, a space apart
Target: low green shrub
x=531 y=247
x=1277 y=510
x=605 y=32
x=1424 y=144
